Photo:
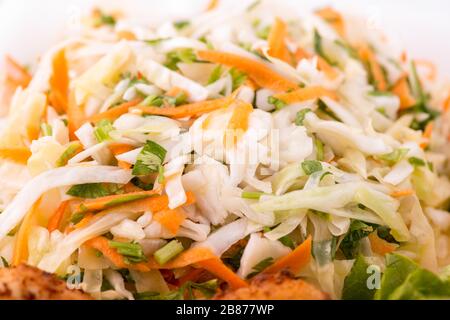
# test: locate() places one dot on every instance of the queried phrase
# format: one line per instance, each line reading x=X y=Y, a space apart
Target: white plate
x=28 y=28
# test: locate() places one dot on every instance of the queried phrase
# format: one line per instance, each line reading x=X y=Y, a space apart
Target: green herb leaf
x=355 y=284
x=107 y=19
x=156 y=41
x=132 y=252
x=46 y=129
x=150 y=159
x=168 y=252
x=288 y=242
x=4 y=262
x=395 y=156
x=351 y=52
x=180 y=25
x=253 y=5
x=208 y=289
x=215 y=74
x=300 y=116
x=141 y=184
x=186 y=55
x=263 y=33
x=318 y=48
x=73 y=148
x=172 y=295
x=350 y=244
x=324 y=108
x=416 y=162
x=238 y=78
x=319 y=149
x=94 y=190
x=279 y=104
x=311 y=166
x=251 y=195
x=102 y=130
x=260 y=266
x=76 y=217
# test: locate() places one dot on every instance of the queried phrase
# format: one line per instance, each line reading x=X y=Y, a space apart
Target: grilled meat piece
x=280 y=286
x=29 y=283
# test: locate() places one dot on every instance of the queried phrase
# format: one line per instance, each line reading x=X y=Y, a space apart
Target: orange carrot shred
x=334 y=18
x=379 y=245
x=219 y=269
x=170 y=219
x=401 y=89
x=446 y=105
x=257 y=71
x=55 y=220
x=59 y=83
x=20 y=253
x=102 y=244
x=103 y=203
x=188 y=110
x=294 y=261
x=16 y=73
x=277 y=41
x=427 y=134
x=305 y=94
x=115 y=112
x=19 y=155
x=367 y=55
x=75 y=116
x=402 y=193
x=212 y=5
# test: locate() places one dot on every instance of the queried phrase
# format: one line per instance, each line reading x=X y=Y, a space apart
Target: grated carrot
x=305 y=94
x=401 y=89
x=430 y=66
x=103 y=203
x=170 y=219
x=294 y=261
x=115 y=112
x=334 y=18
x=402 y=193
x=187 y=110
x=277 y=41
x=174 y=91
x=55 y=220
x=16 y=73
x=238 y=123
x=20 y=253
x=262 y=75
x=379 y=245
x=220 y=270
x=18 y=155
x=446 y=104
x=212 y=5
x=59 y=83
x=102 y=244
x=75 y=116
x=427 y=134
x=153 y=203
x=367 y=55
x=119 y=148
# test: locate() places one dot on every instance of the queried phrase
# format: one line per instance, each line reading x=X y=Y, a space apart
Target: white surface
x=29 y=27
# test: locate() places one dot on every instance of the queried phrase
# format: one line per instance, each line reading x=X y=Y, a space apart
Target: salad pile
x=178 y=160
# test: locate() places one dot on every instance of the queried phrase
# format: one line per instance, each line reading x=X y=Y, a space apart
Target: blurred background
x=29 y=27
